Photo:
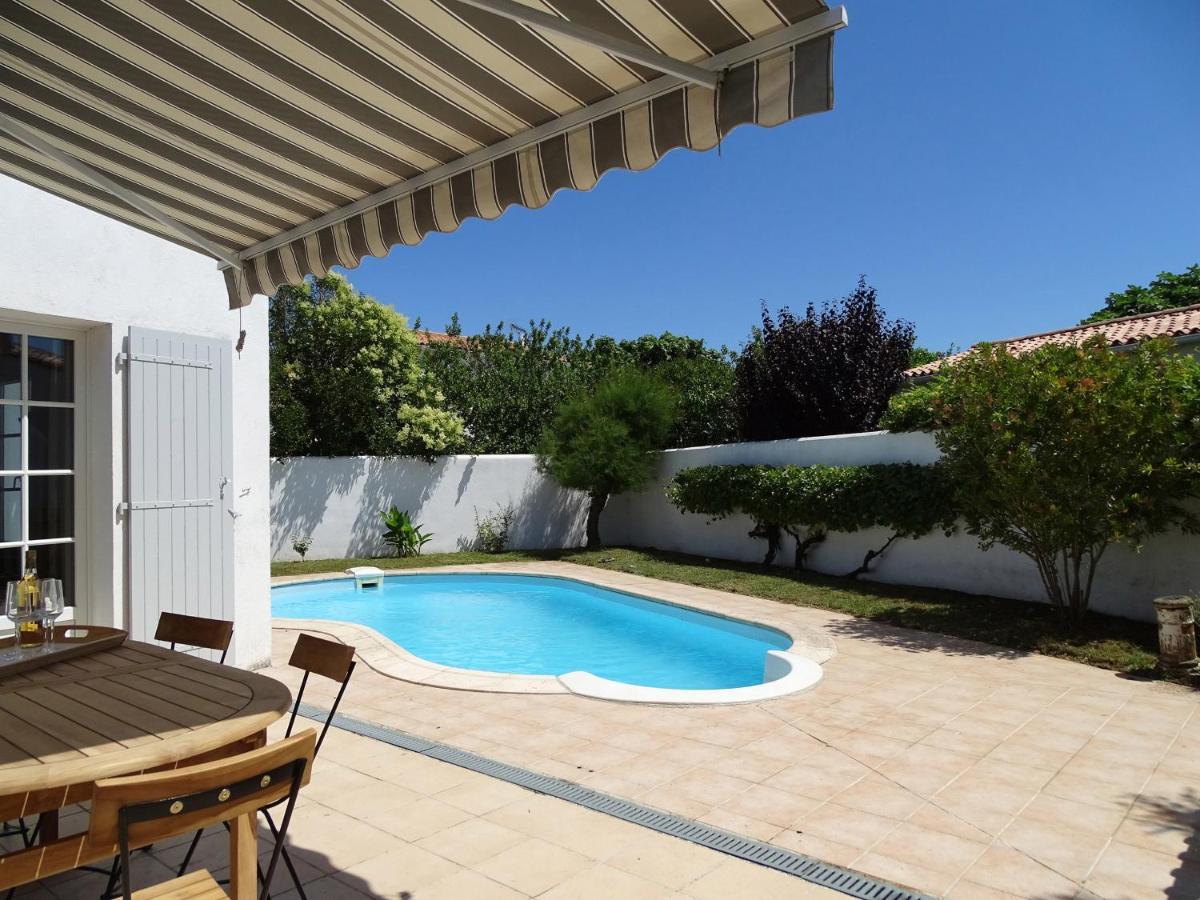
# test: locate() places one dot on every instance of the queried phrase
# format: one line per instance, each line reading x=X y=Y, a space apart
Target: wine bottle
x=29 y=600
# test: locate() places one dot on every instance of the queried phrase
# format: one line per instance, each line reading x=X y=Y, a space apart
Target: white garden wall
x=337 y=502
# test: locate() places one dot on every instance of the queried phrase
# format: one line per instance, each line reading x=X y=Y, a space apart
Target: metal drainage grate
x=834 y=877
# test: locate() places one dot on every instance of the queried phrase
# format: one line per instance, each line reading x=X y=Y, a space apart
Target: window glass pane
x=51 y=506
x=58 y=561
x=10 y=570
x=10 y=440
x=10 y=509
x=51 y=438
x=10 y=366
x=51 y=369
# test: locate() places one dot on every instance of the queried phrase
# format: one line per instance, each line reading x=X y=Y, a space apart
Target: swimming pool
x=542 y=625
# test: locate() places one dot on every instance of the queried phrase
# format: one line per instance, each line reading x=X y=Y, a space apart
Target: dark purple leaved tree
x=830 y=371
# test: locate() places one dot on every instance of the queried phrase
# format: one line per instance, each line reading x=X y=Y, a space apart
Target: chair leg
x=114 y=873
x=191 y=851
x=287 y=857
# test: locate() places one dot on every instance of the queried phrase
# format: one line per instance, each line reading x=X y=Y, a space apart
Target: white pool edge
x=785 y=673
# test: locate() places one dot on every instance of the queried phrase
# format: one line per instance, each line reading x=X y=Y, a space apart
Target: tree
x=346 y=378
x=603 y=442
x=1063 y=451
x=827 y=372
x=1167 y=291
x=506 y=383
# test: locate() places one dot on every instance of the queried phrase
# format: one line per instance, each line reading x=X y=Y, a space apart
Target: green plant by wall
x=603 y=443
x=913 y=409
x=301 y=544
x=809 y=502
x=1066 y=450
x=402 y=534
x=491 y=531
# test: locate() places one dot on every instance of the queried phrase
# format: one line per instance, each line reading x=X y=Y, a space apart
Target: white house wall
x=60 y=262
x=337 y=503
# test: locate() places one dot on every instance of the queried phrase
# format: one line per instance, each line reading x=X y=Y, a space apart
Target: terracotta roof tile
x=425 y=338
x=1174 y=323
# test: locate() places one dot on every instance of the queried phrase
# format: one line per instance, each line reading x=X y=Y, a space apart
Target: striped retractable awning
x=285 y=137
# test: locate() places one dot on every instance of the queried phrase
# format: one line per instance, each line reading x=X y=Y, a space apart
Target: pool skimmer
x=836 y=878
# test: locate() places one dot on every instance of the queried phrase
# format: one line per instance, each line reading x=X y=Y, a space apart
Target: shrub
x=603 y=442
x=827 y=372
x=346 y=380
x=491 y=531
x=301 y=544
x=807 y=502
x=402 y=535
x=913 y=409
x=1063 y=451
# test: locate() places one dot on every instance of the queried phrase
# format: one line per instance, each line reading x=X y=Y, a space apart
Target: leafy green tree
x=506 y=383
x=603 y=442
x=1168 y=291
x=912 y=409
x=1066 y=450
x=830 y=371
x=346 y=378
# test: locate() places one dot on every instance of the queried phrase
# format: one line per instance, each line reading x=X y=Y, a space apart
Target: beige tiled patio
x=378 y=821
x=955 y=768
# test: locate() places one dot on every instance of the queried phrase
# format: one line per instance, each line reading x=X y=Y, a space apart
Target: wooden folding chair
x=195 y=631
x=311 y=655
x=139 y=810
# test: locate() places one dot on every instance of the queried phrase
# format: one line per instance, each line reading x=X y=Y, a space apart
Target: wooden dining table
x=121 y=711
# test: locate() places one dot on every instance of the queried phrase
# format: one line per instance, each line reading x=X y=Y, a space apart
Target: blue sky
x=993 y=169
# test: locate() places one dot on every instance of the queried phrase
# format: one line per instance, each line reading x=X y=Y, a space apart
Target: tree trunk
x=814 y=536
x=871 y=556
x=773 y=536
x=595 y=507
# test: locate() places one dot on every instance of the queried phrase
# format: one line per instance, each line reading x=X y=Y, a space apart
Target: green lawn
x=1104 y=641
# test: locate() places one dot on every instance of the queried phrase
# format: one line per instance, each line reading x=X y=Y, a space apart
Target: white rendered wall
x=338 y=502
x=65 y=264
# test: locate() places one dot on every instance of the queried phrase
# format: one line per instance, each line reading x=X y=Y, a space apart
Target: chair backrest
x=194 y=631
x=329 y=658
x=139 y=810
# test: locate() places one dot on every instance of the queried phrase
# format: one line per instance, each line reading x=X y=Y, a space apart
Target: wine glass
x=17 y=609
x=51 y=607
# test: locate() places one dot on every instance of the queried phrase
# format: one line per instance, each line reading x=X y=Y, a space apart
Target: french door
x=40 y=454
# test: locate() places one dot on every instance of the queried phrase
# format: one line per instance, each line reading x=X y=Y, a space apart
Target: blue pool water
x=544 y=626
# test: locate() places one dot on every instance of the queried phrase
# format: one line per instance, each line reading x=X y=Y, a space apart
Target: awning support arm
x=805 y=30
x=628 y=50
x=99 y=179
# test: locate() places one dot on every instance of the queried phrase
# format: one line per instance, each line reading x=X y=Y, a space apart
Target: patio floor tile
x=534 y=866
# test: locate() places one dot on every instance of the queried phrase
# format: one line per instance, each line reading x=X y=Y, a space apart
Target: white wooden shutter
x=179 y=497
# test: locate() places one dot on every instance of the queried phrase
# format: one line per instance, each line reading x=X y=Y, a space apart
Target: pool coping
x=790 y=671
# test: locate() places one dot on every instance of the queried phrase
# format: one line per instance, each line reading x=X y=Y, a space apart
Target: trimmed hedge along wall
x=807 y=502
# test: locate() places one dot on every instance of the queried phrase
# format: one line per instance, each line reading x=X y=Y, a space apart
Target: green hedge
x=807 y=502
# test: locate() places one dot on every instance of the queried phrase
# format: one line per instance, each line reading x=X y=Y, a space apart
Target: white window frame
x=32 y=328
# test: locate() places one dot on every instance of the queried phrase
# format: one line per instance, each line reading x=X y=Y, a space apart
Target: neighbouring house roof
x=425 y=338
x=287 y=138
x=1172 y=323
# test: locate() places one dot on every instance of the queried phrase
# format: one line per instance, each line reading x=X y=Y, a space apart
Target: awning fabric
x=304 y=134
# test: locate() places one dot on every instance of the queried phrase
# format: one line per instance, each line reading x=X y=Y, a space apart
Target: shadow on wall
x=300 y=494
x=548 y=516
x=400 y=481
